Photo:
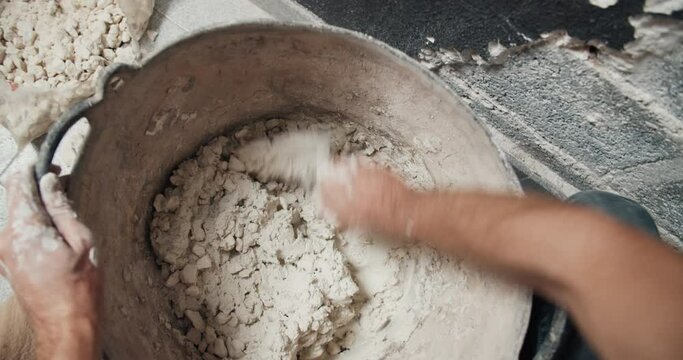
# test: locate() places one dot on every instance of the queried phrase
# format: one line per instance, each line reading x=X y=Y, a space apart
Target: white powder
x=48 y=43
x=51 y=54
x=251 y=258
x=254 y=272
x=292 y=158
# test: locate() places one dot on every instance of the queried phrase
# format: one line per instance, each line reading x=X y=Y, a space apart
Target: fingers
x=28 y=226
x=21 y=187
x=339 y=171
x=57 y=205
x=23 y=200
x=63 y=179
x=335 y=190
x=85 y=260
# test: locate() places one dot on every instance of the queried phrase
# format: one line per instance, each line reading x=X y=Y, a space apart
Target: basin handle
x=70 y=117
x=56 y=134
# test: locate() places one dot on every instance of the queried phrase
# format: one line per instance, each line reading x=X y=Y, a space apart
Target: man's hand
x=46 y=254
x=623 y=288
x=361 y=195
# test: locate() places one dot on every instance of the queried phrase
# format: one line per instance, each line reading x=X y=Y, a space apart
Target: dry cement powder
x=49 y=43
x=254 y=272
x=51 y=54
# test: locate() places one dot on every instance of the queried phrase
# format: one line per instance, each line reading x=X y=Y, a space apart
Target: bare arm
x=624 y=289
x=16 y=337
x=75 y=339
x=45 y=254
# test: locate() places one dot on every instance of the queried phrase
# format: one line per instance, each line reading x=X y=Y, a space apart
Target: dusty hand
x=361 y=195
x=49 y=266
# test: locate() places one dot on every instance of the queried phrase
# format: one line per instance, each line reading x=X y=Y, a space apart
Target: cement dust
x=51 y=55
x=253 y=271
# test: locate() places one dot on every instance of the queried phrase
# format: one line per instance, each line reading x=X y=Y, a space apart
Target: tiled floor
x=174 y=19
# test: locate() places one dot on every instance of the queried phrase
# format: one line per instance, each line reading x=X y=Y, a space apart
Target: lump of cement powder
x=137 y=13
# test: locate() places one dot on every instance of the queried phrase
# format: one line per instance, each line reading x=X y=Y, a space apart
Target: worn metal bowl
x=145 y=120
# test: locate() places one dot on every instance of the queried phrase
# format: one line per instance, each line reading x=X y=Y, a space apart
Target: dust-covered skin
x=46 y=253
x=16 y=336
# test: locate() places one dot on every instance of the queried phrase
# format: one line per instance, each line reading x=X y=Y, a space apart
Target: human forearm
x=622 y=287
x=629 y=300
x=613 y=279
x=504 y=232
x=71 y=330
x=51 y=268
x=77 y=339
x=539 y=242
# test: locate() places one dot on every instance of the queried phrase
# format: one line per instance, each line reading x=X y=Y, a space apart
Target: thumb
x=76 y=235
